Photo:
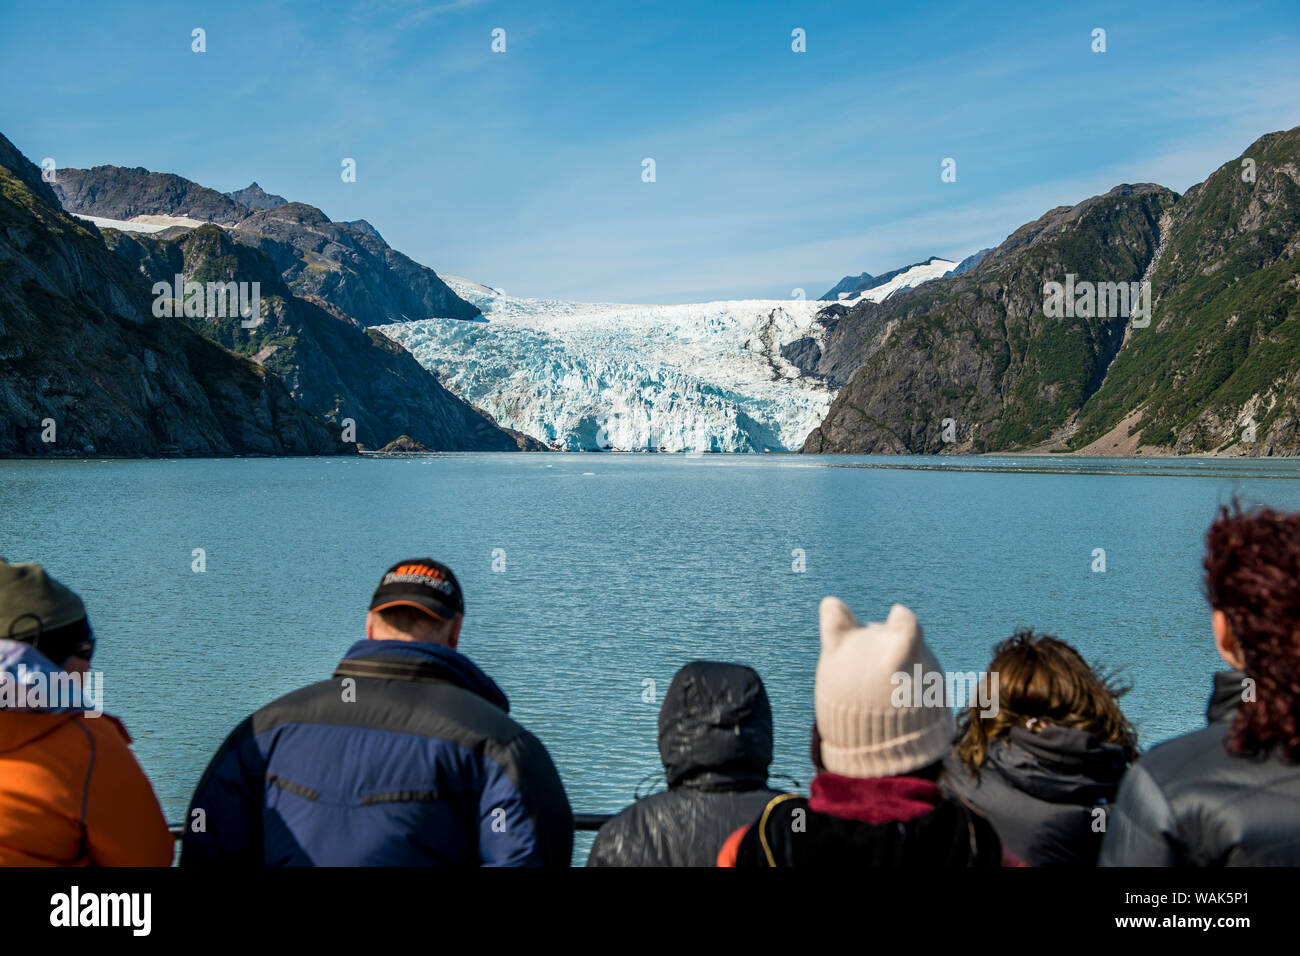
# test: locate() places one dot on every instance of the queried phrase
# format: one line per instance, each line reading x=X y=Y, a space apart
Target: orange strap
x=731 y=848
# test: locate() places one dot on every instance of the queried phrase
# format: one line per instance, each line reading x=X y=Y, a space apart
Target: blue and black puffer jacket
x=406 y=757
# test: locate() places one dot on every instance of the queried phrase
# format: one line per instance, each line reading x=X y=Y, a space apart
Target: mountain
x=79 y=345
x=587 y=376
x=362 y=226
x=1222 y=354
x=850 y=287
x=970 y=262
x=1217 y=369
x=349 y=266
x=977 y=348
x=119 y=192
x=256 y=197
x=332 y=365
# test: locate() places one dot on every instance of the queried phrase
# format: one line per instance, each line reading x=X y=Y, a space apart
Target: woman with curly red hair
x=1229 y=795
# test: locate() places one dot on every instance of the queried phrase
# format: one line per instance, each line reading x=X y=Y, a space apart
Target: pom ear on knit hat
x=864 y=731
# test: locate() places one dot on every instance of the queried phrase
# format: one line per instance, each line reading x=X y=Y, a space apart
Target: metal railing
x=581 y=821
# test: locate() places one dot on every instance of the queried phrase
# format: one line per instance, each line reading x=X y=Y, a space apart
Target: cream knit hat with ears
x=863 y=733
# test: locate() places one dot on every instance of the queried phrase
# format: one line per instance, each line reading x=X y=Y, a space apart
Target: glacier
x=581 y=376
x=587 y=376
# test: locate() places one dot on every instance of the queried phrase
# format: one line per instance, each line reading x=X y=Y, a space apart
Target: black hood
x=1225 y=698
x=1058 y=764
x=715 y=727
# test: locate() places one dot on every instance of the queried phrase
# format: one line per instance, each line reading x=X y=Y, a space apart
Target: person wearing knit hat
x=35 y=609
x=73 y=792
x=878 y=749
x=863 y=733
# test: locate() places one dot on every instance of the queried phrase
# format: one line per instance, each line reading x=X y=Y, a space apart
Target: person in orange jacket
x=71 y=791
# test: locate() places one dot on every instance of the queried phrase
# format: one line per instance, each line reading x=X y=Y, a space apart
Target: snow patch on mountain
x=142 y=224
x=699 y=377
x=934 y=268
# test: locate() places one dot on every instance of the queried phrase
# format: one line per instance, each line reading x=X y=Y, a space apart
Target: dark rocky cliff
x=1216 y=371
x=333 y=366
x=977 y=349
x=79 y=345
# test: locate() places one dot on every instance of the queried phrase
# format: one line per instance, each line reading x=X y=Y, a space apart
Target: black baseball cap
x=421 y=583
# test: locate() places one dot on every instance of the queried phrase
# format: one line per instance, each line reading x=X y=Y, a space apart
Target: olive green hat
x=32 y=603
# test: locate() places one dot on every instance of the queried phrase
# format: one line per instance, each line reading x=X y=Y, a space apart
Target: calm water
x=618 y=569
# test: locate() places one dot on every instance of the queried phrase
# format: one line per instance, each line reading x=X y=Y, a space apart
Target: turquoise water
x=617 y=570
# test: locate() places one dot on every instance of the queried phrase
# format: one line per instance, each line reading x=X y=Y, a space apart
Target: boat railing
x=581 y=821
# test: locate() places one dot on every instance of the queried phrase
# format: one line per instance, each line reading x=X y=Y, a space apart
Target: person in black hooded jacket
x=1044 y=765
x=715 y=738
x=1229 y=795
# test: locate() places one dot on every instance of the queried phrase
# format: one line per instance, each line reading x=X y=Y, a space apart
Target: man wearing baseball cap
x=71 y=791
x=405 y=757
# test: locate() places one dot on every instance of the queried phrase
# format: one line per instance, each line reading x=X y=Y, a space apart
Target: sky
x=774 y=170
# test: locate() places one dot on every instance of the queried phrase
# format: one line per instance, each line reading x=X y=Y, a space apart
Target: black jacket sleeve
x=1141 y=829
x=223 y=825
x=529 y=788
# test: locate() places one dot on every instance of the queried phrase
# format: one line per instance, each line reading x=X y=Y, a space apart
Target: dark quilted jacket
x=1191 y=802
x=1045 y=793
x=715 y=738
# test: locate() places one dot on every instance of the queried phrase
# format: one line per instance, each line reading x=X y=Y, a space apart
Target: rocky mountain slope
x=255 y=197
x=348 y=265
x=848 y=285
x=1219 y=368
x=971 y=362
x=332 y=365
x=970 y=262
x=81 y=348
x=121 y=192
x=351 y=268
x=977 y=348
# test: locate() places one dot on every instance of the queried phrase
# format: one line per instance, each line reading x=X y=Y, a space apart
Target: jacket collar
x=1225 y=698
x=873 y=799
x=416 y=660
x=1058 y=764
x=28 y=679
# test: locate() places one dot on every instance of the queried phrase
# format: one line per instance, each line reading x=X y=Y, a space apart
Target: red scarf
x=873 y=799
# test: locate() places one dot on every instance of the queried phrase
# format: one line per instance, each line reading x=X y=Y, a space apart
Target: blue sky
x=775 y=170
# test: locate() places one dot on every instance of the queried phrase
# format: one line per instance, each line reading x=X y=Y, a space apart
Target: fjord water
x=614 y=570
